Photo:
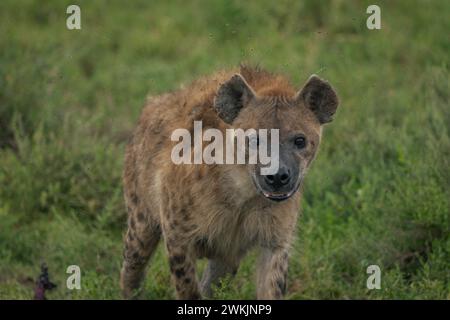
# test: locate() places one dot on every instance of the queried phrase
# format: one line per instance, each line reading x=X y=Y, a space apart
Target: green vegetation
x=378 y=192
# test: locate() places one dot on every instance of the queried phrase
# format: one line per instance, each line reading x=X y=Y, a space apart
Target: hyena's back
x=148 y=152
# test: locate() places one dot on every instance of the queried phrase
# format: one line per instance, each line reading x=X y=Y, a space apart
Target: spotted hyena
x=221 y=211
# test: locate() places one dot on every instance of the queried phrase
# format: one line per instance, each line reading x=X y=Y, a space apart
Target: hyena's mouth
x=278 y=197
x=275 y=196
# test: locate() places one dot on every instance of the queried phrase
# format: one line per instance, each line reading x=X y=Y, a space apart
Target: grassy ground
x=377 y=194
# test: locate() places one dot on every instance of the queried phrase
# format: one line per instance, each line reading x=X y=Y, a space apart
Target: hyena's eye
x=253 y=141
x=300 y=142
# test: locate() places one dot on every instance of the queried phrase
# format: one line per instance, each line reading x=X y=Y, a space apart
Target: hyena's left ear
x=320 y=97
x=231 y=97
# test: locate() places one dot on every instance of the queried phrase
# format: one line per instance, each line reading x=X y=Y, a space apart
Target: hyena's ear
x=231 y=97
x=320 y=97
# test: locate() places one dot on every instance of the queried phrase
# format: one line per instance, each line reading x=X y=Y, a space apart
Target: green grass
x=378 y=192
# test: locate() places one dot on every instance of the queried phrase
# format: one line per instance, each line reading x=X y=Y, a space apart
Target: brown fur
x=211 y=211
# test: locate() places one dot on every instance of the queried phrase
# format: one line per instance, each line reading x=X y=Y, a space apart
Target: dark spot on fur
x=134 y=198
x=201 y=244
x=179 y=273
x=186 y=228
x=157 y=127
x=132 y=223
x=140 y=216
x=177 y=259
x=159 y=144
x=187 y=280
x=135 y=255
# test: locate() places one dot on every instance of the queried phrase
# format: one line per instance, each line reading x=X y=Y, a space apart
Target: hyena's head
x=299 y=118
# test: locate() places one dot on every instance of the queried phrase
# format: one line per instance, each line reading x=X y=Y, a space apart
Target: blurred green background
x=378 y=192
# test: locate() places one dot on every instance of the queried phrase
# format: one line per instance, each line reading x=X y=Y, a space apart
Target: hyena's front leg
x=216 y=270
x=272 y=273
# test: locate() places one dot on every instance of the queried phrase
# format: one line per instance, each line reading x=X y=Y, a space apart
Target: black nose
x=280 y=179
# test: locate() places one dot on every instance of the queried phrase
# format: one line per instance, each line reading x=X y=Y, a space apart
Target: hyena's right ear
x=231 y=97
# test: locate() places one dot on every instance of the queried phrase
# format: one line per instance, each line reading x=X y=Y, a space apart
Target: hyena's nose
x=280 y=179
